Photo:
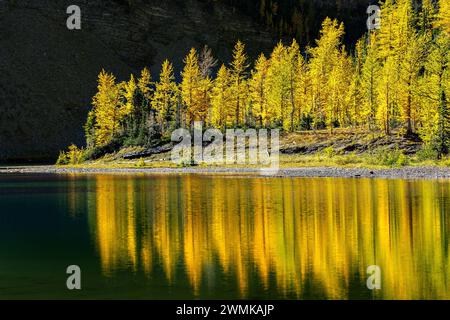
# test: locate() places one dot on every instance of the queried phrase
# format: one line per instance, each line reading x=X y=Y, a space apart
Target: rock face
x=48 y=73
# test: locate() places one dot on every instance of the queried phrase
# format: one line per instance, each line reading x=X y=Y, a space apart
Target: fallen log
x=149 y=152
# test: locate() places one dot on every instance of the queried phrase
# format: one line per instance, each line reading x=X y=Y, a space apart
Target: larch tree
x=369 y=82
x=293 y=75
x=191 y=88
x=277 y=85
x=392 y=38
x=338 y=84
x=221 y=99
x=129 y=91
x=444 y=16
x=165 y=100
x=257 y=87
x=354 y=97
x=128 y=99
x=302 y=96
x=107 y=108
x=89 y=130
x=207 y=62
x=426 y=17
x=388 y=33
x=410 y=56
x=386 y=92
x=435 y=116
x=324 y=56
x=144 y=84
x=411 y=66
x=239 y=67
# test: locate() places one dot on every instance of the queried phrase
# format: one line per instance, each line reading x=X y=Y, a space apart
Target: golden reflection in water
x=300 y=237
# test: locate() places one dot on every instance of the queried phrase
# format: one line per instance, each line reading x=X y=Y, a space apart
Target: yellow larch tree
x=411 y=67
x=107 y=108
x=221 y=99
x=293 y=71
x=129 y=90
x=369 y=82
x=324 y=59
x=444 y=16
x=191 y=89
x=144 y=84
x=277 y=86
x=354 y=96
x=257 y=87
x=239 y=67
x=435 y=92
x=165 y=100
x=386 y=92
x=302 y=96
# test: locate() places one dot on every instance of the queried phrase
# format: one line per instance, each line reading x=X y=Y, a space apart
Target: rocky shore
x=391 y=173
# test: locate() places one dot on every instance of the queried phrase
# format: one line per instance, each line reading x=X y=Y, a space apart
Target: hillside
x=48 y=73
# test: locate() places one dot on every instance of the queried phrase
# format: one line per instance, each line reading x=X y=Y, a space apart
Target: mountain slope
x=48 y=73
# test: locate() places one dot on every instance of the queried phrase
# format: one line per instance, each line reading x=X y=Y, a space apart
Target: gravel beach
x=393 y=173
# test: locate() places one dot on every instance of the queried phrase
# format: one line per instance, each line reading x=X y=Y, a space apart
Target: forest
x=395 y=81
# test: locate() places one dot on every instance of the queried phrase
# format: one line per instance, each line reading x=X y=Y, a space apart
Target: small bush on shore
x=388 y=157
x=188 y=163
x=349 y=159
x=140 y=163
x=427 y=152
x=73 y=156
x=402 y=160
x=329 y=152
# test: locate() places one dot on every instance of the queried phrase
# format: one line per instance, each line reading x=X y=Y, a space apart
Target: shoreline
x=306 y=172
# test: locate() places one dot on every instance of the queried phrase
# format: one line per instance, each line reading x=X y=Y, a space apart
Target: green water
x=223 y=237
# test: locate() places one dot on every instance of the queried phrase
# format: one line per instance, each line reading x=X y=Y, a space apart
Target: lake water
x=223 y=237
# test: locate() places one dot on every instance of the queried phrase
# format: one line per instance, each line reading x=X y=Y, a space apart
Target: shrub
x=402 y=160
x=306 y=122
x=188 y=163
x=140 y=163
x=351 y=158
x=388 y=157
x=319 y=124
x=329 y=152
x=446 y=162
x=428 y=152
x=62 y=159
x=73 y=156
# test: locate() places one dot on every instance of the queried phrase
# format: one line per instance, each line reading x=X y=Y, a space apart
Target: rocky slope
x=48 y=73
